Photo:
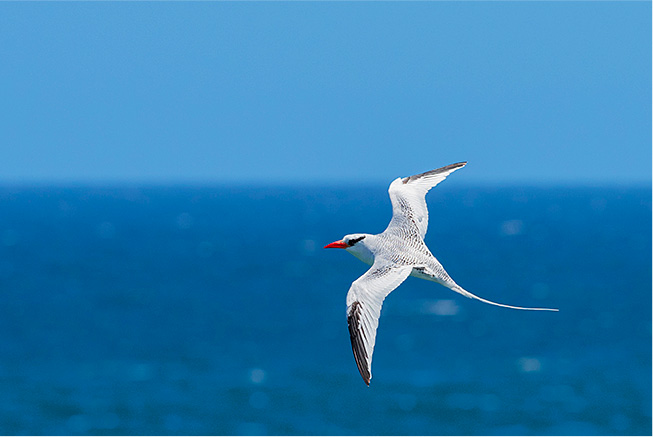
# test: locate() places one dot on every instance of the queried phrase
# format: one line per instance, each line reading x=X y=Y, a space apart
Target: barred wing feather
x=408 y=197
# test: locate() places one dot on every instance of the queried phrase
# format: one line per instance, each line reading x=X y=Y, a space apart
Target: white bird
x=395 y=254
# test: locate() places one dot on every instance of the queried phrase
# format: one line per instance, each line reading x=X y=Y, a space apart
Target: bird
x=394 y=255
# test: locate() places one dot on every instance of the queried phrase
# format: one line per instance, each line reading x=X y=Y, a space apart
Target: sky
x=313 y=92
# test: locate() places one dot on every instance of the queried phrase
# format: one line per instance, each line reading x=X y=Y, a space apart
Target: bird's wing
x=364 y=302
x=408 y=197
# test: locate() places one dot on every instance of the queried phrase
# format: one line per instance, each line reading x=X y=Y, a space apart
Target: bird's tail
x=466 y=293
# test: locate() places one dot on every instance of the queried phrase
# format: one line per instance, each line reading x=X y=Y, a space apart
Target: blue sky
x=545 y=92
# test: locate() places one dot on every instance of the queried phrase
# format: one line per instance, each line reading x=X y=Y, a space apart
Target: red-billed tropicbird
x=395 y=254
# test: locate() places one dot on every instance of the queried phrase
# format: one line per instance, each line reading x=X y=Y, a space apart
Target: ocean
x=185 y=310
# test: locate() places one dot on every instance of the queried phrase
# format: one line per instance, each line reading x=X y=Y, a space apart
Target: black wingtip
x=357 y=346
x=446 y=168
x=450 y=166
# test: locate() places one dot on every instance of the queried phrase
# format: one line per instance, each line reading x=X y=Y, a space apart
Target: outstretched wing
x=364 y=302
x=408 y=197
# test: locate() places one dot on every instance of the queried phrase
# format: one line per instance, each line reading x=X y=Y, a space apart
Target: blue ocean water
x=215 y=310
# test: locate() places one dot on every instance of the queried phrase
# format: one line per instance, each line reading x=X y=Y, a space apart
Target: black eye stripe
x=355 y=240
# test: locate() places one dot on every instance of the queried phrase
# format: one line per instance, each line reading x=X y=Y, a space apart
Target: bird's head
x=356 y=245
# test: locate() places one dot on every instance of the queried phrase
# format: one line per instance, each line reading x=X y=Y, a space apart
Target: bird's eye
x=355 y=240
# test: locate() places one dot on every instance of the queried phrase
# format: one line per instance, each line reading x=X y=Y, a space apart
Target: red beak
x=336 y=245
